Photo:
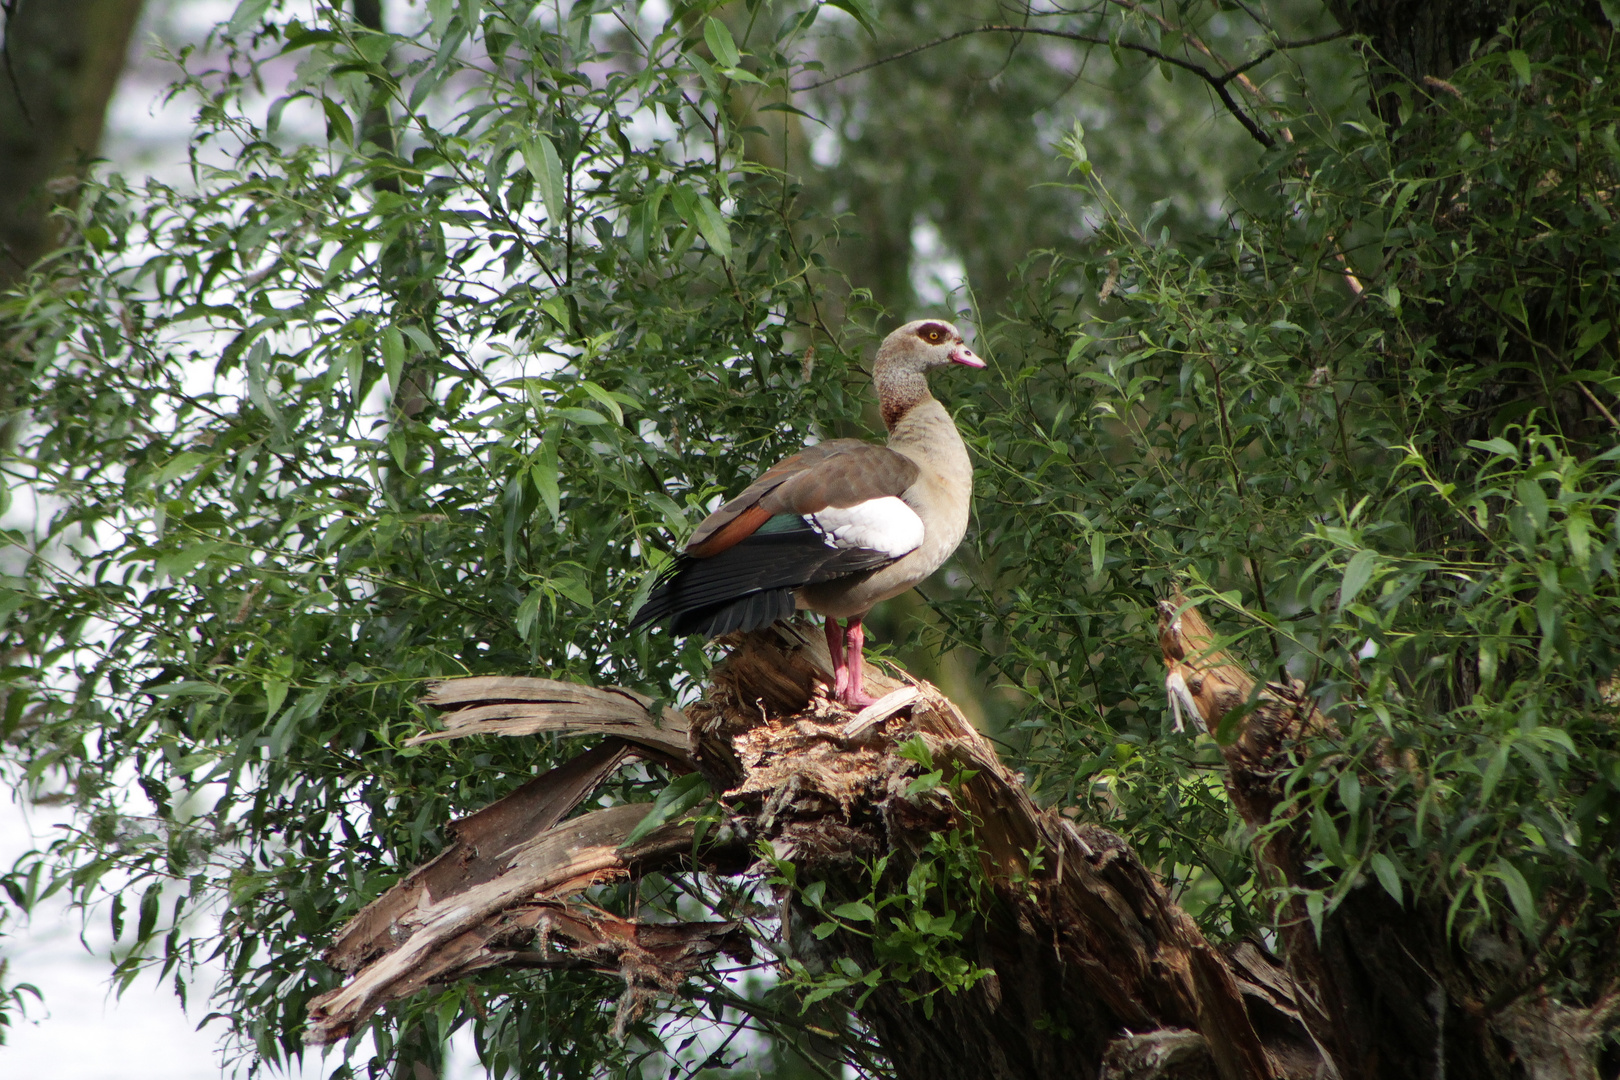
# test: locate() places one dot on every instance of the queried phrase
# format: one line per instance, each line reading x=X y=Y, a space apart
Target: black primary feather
x=750 y=585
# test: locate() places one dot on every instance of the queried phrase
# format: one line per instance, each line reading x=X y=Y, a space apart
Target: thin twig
x=1218 y=83
x=1282 y=46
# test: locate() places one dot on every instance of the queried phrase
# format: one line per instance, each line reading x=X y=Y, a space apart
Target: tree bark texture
x=61 y=64
x=1420 y=37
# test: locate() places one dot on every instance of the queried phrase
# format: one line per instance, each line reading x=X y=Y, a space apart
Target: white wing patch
x=887 y=525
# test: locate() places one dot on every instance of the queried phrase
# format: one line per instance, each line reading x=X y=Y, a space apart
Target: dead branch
x=444 y=938
x=498 y=705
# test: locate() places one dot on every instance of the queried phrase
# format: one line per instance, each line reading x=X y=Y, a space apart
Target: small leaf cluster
x=909 y=928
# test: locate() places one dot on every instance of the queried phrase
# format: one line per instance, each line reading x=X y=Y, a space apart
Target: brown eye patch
x=933 y=333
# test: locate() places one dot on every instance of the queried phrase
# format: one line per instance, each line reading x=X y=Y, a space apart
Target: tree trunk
x=61 y=65
x=1391 y=994
x=1416 y=39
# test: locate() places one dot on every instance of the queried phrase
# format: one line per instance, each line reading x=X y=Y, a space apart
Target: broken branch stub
x=475 y=853
x=445 y=937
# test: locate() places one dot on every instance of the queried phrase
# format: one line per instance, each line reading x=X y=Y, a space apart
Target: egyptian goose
x=839 y=526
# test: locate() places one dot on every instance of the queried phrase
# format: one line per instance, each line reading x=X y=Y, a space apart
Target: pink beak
x=964 y=356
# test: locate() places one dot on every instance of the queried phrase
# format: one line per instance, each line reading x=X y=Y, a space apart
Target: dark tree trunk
x=1420 y=37
x=62 y=62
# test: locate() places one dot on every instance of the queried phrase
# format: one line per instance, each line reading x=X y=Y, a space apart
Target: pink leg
x=855 y=639
x=835 y=648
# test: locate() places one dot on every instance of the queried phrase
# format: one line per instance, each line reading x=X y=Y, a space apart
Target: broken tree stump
x=1069 y=955
x=1386 y=989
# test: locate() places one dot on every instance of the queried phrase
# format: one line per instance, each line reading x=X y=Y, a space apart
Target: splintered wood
x=1079 y=942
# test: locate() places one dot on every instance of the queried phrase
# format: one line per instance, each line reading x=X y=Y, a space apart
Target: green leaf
x=339 y=128
x=544 y=474
x=915 y=748
x=855 y=911
x=589 y=417
x=1499 y=446
x=439 y=11
x=1356 y=575
x=1388 y=876
x=705 y=217
x=260 y=390
x=528 y=612
x=575 y=589
x=1350 y=792
x=782 y=106
x=393 y=351
x=247 y=15
x=921 y=785
x=540 y=155
x=185 y=688
x=1493 y=773
x=863 y=12
x=1578 y=534
x=1081 y=341
x=1519 y=895
x=1534 y=500
x=606 y=399
x=681 y=795
x=721 y=45
x=275 y=692
x=1521 y=64
x=150 y=899
x=1590 y=336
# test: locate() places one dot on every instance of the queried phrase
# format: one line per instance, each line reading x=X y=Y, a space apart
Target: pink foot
x=835 y=649
x=854 y=693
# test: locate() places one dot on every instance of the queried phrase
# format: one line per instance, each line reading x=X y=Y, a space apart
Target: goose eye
x=933 y=335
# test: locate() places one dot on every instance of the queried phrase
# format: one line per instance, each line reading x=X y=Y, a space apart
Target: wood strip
x=475 y=853
x=563 y=859
x=498 y=705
